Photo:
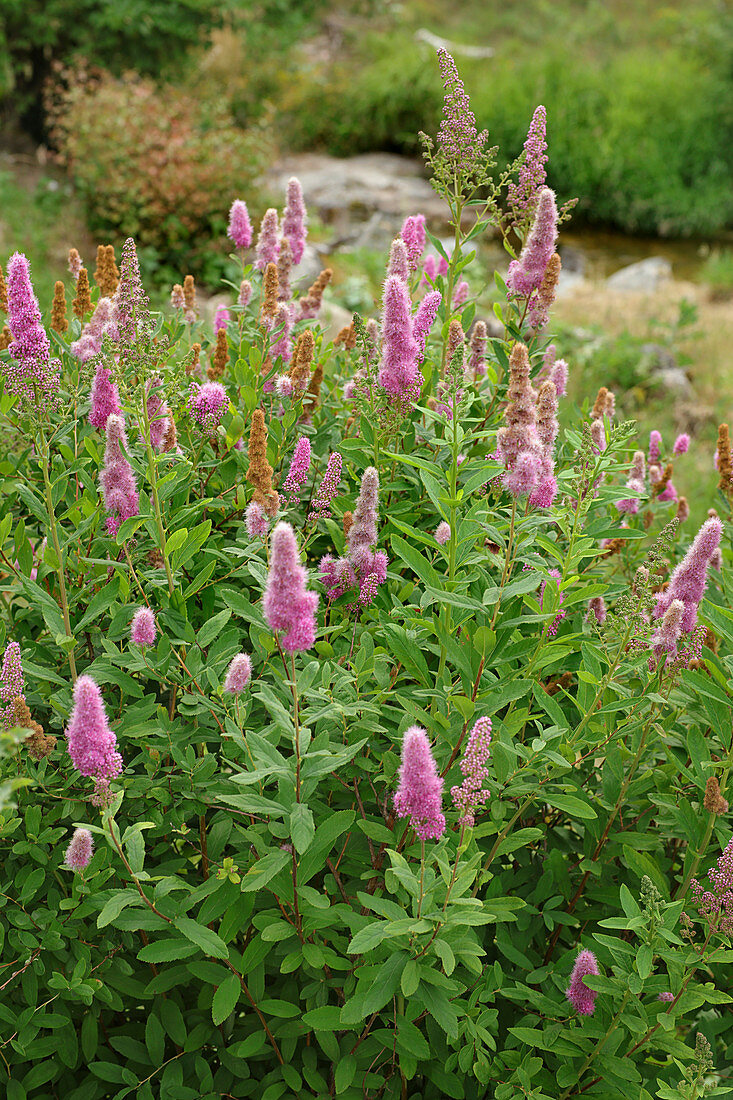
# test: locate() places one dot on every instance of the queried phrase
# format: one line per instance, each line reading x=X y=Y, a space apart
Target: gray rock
x=660 y=358
x=674 y=381
x=643 y=277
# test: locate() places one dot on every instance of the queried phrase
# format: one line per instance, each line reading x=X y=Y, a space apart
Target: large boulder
x=644 y=277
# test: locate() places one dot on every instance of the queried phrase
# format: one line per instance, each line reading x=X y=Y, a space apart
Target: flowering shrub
x=152 y=162
x=365 y=733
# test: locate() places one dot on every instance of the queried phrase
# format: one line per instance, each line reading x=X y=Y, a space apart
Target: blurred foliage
x=717 y=273
x=152 y=36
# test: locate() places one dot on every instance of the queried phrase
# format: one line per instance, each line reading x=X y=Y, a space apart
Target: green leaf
x=419 y=565
x=203 y=937
x=326 y=1018
x=225 y=999
x=166 y=950
x=345 y=1073
x=575 y=807
x=302 y=827
x=264 y=869
x=175 y=541
x=155 y=1039
x=213 y=627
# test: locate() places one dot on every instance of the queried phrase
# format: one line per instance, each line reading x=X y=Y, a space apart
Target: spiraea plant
x=366 y=706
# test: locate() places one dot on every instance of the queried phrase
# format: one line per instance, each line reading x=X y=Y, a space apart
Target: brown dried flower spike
x=189 y=293
x=259 y=474
x=714 y=802
x=59 y=322
x=220 y=357
x=270 y=285
x=37 y=743
x=300 y=372
x=106 y=275
x=6 y=338
x=3 y=293
x=82 y=303
x=725 y=461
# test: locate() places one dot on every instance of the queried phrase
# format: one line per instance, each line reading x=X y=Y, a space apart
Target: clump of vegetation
x=365 y=733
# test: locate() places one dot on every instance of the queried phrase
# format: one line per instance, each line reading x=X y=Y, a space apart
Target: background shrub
x=155 y=163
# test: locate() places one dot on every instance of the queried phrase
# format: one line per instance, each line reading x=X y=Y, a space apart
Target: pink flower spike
x=399 y=374
x=525 y=274
x=655 y=444
x=689 y=579
x=105 y=398
x=256 y=521
x=238 y=674
x=580 y=996
x=240 y=227
x=414 y=236
x=245 y=293
x=423 y=320
x=31 y=374
x=117 y=478
x=472 y=794
x=268 y=242
x=287 y=604
x=419 y=794
x=298 y=472
x=681 y=444
x=207 y=405
x=442 y=533
x=328 y=488
x=80 y=850
x=398 y=263
x=294 y=220
x=92 y=744
x=12 y=680
x=222 y=317
x=143 y=629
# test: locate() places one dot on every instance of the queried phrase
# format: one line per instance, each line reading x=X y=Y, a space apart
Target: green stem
x=451 y=280
x=504 y=832
x=507 y=569
x=153 y=478
x=57 y=548
x=422 y=877
x=597 y=1049
x=682 y=890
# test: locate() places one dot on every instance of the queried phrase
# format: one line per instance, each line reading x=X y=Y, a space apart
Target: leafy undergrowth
x=367 y=734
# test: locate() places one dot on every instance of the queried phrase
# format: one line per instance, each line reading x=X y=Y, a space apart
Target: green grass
x=41 y=217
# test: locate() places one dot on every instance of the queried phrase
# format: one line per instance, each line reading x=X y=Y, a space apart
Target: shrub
x=154 y=163
x=430 y=822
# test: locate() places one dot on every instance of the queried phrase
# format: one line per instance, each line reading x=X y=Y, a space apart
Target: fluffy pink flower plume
x=92 y=744
x=398 y=262
x=117 y=478
x=298 y=472
x=132 y=305
x=283 y=385
x=207 y=404
x=240 y=227
x=472 y=794
x=256 y=521
x=105 y=396
x=556 y=576
x=222 y=317
x=328 y=488
x=667 y=635
x=268 y=241
x=362 y=537
x=238 y=674
x=596 y=610
x=80 y=850
x=423 y=321
x=143 y=629
x=294 y=220
x=477 y=345
x=245 y=293
x=559 y=377
x=103 y=322
x=522 y=195
x=31 y=374
x=12 y=680
x=282 y=326
x=655 y=444
x=442 y=533
x=668 y=492
x=517 y=442
x=688 y=580
x=716 y=904
x=419 y=794
x=75 y=264
x=681 y=444
x=459 y=145
x=525 y=274
x=580 y=996
x=460 y=294
x=414 y=236
x=284 y=267
x=287 y=604
x=598 y=435
x=399 y=374
x=635 y=483
x=157 y=409
x=545 y=491
x=433 y=266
